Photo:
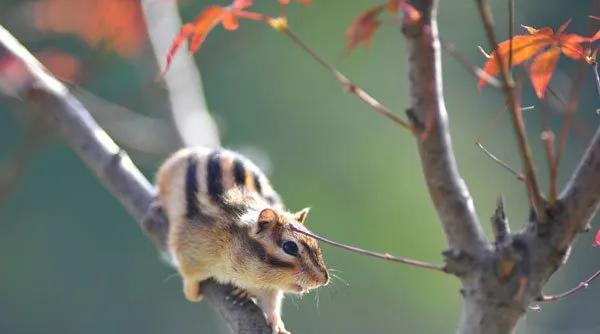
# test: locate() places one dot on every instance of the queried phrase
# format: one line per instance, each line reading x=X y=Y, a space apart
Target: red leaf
x=204 y=23
x=362 y=28
x=241 y=4
x=185 y=31
x=287 y=2
x=116 y=24
x=541 y=70
x=62 y=65
x=393 y=6
x=597 y=241
x=523 y=47
x=562 y=28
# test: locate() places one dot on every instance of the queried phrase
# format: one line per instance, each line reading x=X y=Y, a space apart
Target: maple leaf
x=545 y=47
x=287 y=2
x=597 y=240
x=209 y=18
x=62 y=65
x=117 y=25
x=363 y=27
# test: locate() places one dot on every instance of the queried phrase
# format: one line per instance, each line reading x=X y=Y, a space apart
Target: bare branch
x=115 y=170
x=473 y=69
x=348 y=85
x=183 y=81
x=504 y=165
x=519 y=125
x=447 y=189
x=581 y=195
x=581 y=286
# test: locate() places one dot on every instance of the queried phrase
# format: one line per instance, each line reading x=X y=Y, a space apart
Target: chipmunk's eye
x=290 y=247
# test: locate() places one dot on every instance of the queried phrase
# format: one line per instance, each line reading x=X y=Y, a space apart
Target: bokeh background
x=73 y=261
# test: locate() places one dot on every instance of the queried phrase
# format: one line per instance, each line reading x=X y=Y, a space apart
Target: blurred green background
x=73 y=261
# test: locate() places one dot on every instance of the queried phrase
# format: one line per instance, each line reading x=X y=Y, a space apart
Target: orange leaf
x=595 y=37
x=541 y=70
x=393 y=6
x=287 y=2
x=229 y=21
x=362 y=28
x=573 y=50
x=203 y=24
x=185 y=31
x=115 y=24
x=241 y=4
x=563 y=27
x=523 y=47
x=62 y=65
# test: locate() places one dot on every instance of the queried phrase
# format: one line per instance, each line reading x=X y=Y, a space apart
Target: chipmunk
x=226 y=222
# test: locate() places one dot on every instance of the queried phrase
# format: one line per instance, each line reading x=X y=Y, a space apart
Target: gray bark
x=499 y=280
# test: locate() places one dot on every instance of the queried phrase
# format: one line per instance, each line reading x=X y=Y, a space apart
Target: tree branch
x=116 y=171
x=581 y=196
x=448 y=190
x=190 y=113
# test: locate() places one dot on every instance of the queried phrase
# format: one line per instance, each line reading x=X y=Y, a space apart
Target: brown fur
x=240 y=241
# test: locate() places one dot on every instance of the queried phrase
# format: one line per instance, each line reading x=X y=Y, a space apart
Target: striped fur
x=227 y=222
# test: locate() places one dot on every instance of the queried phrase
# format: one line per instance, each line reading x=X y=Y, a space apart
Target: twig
x=581 y=286
x=473 y=69
x=117 y=172
x=518 y=123
x=548 y=138
x=566 y=127
x=348 y=85
x=581 y=195
x=383 y=256
x=511 y=30
x=518 y=175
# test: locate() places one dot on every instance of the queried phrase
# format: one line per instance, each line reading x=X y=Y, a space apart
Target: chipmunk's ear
x=300 y=216
x=266 y=219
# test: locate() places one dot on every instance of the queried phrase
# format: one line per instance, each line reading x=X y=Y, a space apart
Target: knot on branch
x=500 y=225
x=504 y=278
x=459 y=262
x=414 y=120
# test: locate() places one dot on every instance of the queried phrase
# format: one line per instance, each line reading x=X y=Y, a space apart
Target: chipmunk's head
x=288 y=260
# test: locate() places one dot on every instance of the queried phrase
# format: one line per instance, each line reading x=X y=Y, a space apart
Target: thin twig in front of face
x=519 y=125
x=349 y=85
x=581 y=286
x=383 y=256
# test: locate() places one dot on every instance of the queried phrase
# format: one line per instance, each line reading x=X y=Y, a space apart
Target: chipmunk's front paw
x=191 y=290
x=277 y=326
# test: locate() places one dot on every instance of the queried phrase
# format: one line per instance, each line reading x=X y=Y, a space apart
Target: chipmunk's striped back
x=208 y=179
